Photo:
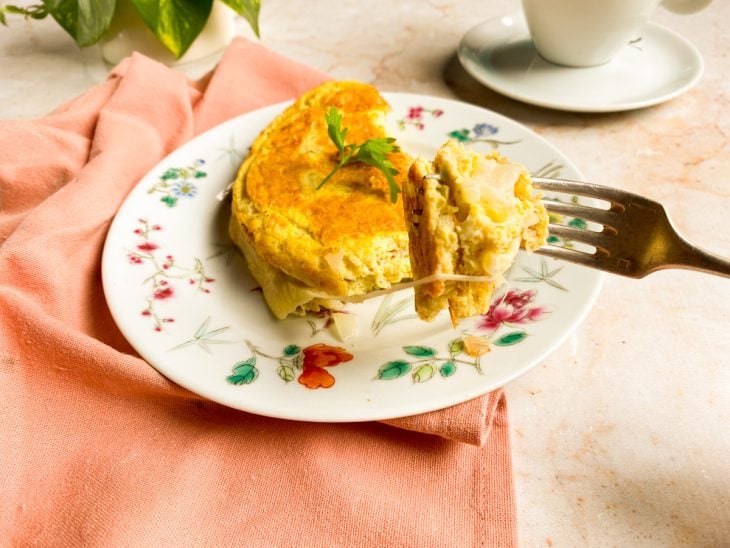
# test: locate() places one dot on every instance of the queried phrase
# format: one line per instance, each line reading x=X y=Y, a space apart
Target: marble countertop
x=620 y=437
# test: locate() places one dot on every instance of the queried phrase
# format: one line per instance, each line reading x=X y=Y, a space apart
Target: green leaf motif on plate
x=447 y=369
x=456 y=347
x=577 y=223
x=511 y=338
x=244 y=372
x=292 y=350
x=177 y=183
x=286 y=372
x=170 y=201
x=424 y=373
x=425 y=362
x=389 y=313
x=420 y=351
x=393 y=370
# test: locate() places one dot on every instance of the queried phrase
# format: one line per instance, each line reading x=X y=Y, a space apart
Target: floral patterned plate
x=183 y=297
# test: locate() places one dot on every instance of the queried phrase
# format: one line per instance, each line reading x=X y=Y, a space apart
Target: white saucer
x=658 y=66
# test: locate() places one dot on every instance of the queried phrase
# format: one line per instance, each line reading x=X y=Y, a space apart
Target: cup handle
x=685 y=6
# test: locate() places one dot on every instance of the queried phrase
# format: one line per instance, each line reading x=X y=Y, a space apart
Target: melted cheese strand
x=408 y=285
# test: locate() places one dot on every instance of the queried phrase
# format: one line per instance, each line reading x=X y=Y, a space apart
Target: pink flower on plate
x=513 y=308
x=147 y=246
x=163 y=293
x=415 y=113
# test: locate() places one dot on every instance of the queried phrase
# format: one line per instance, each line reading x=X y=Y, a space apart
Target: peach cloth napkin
x=97 y=448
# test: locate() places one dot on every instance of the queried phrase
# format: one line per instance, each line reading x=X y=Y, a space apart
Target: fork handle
x=694 y=258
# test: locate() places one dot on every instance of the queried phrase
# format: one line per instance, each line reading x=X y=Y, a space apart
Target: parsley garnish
x=372 y=152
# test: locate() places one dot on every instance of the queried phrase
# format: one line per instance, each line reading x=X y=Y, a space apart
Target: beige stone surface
x=621 y=437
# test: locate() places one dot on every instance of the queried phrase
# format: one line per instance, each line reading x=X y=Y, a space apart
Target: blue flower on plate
x=184 y=188
x=481 y=130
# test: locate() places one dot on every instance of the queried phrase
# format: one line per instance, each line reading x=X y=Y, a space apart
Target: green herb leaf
x=84 y=20
x=334 y=128
x=176 y=23
x=249 y=10
x=373 y=152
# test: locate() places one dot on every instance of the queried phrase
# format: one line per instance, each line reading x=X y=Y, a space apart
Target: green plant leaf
x=447 y=369
x=176 y=23
x=393 y=370
x=424 y=373
x=84 y=20
x=249 y=10
x=420 y=351
x=511 y=338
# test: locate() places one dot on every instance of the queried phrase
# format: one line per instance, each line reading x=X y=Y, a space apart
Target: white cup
x=585 y=33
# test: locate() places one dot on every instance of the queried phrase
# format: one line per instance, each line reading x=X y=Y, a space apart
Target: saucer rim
x=482 y=76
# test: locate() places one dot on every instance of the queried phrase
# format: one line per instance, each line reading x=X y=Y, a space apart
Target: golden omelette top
x=347 y=237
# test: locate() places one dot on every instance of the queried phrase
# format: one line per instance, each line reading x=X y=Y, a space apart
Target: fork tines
x=608 y=219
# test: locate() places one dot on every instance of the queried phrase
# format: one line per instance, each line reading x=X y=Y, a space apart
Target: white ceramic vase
x=128 y=33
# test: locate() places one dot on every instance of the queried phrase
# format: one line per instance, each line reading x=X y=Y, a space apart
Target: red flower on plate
x=316 y=358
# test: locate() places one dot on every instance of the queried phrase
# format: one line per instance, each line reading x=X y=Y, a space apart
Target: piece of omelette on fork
x=467 y=214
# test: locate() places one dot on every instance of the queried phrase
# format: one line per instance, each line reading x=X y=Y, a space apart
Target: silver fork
x=636 y=236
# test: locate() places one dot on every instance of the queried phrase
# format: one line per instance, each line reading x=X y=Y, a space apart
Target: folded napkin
x=97 y=448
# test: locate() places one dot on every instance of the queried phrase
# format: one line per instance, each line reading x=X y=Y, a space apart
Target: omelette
x=306 y=246
x=468 y=214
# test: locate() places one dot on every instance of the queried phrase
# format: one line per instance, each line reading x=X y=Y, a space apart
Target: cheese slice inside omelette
x=305 y=245
x=468 y=214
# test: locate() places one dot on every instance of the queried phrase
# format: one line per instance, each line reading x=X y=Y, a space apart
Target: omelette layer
x=468 y=214
x=303 y=244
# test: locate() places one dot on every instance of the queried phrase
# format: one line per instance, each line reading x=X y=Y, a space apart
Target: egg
x=307 y=246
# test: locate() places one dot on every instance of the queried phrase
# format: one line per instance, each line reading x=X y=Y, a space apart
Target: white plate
x=657 y=66
x=184 y=299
